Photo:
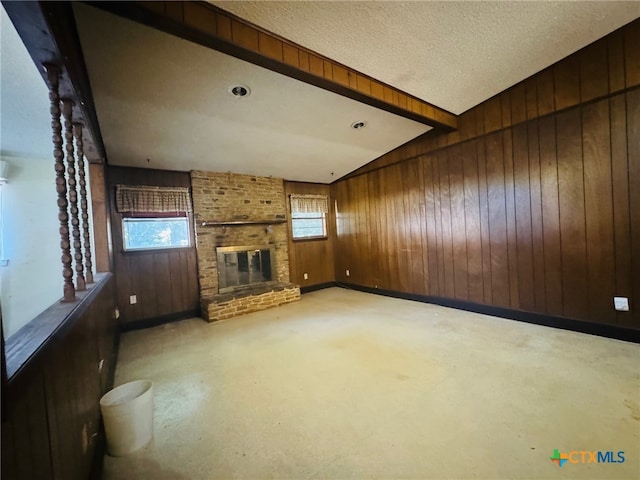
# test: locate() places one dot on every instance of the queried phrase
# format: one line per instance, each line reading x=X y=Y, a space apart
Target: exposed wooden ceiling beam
x=215 y=28
x=48 y=31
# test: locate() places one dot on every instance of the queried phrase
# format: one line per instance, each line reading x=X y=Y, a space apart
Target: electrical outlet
x=133 y=299
x=306 y=276
x=621 y=304
x=347 y=272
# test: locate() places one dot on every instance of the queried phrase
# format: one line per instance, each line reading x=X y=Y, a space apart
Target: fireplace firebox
x=241 y=267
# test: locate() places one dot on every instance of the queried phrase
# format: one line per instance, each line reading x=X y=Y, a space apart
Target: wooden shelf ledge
x=236 y=223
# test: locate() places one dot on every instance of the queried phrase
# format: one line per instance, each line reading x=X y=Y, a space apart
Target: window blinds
x=309 y=204
x=146 y=199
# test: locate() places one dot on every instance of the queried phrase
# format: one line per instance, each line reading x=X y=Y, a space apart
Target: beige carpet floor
x=345 y=384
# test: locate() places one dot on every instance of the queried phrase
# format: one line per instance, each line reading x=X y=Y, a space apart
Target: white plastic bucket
x=127 y=412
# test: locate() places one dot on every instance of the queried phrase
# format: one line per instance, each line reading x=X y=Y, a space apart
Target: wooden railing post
x=53 y=74
x=67 y=110
x=84 y=208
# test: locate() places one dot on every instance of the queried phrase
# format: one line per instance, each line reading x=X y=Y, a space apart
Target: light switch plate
x=133 y=299
x=621 y=304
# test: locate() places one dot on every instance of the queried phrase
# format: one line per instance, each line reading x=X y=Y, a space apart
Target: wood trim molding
x=318 y=286
x=564 y=323
x=48 y=31
x=215 y=28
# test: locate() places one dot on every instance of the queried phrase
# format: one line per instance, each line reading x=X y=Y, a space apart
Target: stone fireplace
x=241 y=241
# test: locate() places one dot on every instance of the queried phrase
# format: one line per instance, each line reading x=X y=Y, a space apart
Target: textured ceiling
x=163 y=102
x=452 y=54
x=25 y=129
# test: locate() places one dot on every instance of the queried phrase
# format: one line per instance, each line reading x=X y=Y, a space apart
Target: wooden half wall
x=51 y=425
x=533 y=205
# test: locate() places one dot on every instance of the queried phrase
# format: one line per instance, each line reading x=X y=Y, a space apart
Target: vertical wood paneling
x=598 y=211
x=456 y=189
x=615 y=56
x=493 y=114
x=633 y=134
x=594 y=74
x=572 y=221
x=341 y=244
x=375 y=228
x=99 y=209
x=544 y=86
x=165 y=285
x=25 y=431
x=621 y=204
x=364 y=269
x=631 y=55
x=437 y=208
x=518 y=104
x=423 y=232
x=550 y=216
x=497 y=220
x=400 y=247
x=472 y=223
x=540 y=216
x=383 y=228
x=484 y=220
x=431 y=223
x=537 y=226
x=414 y=203
x=510 y=210
x=532 y=97
x=524 y=245
x=566 y=76
x=448 y=287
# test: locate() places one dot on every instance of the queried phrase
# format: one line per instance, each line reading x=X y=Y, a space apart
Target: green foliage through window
x=308 y=225
x=154 y=233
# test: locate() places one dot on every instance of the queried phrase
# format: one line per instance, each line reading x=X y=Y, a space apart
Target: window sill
x=151 y=251
x=30 y=340
x=309 y=239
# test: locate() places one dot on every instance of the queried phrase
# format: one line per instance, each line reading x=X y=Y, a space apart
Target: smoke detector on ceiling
x=239 y=91
x=359 y=124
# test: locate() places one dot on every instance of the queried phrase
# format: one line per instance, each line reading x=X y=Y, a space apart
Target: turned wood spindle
x=53 y=74
x=67 y=112
x=84 y=207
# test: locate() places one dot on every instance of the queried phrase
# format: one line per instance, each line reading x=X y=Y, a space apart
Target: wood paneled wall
x=313 y=257
x=604 y=68
x=533 y=205
x=101 y=225
x=165 y=282
x=51 y=429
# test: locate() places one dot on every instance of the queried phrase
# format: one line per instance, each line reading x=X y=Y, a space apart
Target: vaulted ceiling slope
x=453 y=54
x=164 y=102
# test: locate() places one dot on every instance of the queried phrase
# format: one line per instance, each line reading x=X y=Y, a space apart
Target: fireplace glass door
x=244 y=266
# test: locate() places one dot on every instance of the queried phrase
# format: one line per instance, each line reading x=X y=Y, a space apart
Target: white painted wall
x=32 y=280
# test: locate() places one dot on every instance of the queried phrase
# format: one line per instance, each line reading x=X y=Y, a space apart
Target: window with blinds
x=308 y=216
